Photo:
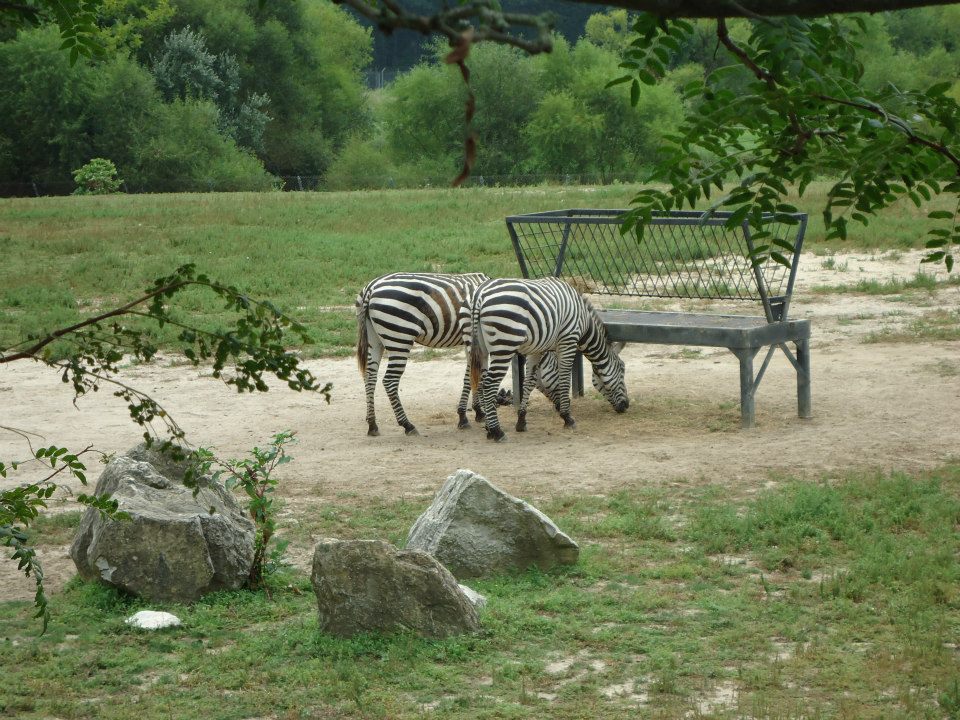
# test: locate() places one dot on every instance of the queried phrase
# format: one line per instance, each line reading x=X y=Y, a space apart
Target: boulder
x=370 y=585
x=175 y=546
x=476 y=529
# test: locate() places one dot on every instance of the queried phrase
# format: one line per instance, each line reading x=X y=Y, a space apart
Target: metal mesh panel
x=680 y=255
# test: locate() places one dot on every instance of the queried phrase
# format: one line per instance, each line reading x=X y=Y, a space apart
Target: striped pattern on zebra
x=534 y=317
x=397 y=310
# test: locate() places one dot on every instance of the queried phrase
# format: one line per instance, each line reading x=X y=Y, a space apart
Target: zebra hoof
x=480 y=416
x=411 y=431
x=464 y=424
x=569 y=423
x=374 y=431
x=496 y=435
x=522 y=424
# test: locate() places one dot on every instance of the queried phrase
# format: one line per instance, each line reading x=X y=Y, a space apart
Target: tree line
x=203 y=94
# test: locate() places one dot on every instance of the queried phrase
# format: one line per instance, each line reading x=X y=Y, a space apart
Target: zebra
x=533 y=317
x=397 y=310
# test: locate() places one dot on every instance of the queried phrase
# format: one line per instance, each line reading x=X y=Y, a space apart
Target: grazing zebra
x=534 y=317
x=394 y=312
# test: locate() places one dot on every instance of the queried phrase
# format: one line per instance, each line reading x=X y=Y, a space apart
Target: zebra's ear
x=617 y=346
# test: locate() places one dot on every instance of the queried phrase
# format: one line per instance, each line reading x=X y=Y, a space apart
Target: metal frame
x=743 y=335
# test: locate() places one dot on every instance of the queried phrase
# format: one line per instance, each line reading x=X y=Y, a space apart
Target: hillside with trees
x=203 y=95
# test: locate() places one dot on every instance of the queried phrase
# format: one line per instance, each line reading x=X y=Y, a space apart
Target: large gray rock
x=370 y=585
x=476 y=529
x=174 y=546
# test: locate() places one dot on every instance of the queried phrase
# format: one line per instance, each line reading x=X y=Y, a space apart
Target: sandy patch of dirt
x=874 y=405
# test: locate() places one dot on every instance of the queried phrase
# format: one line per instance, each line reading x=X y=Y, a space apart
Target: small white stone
x=153 y=620
x=476 y=599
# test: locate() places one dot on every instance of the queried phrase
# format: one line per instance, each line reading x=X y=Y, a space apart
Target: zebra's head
x=608 y=378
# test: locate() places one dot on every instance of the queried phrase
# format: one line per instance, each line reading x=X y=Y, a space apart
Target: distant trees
x=226 y=94
x=185 y=94
x=544 y=115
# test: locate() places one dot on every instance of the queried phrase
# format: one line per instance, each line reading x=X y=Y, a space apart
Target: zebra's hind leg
x=529 y=380
x=374 y=353
x=478 y=412
x=566 y=352
x=391 y=383
x=496 y=369
x=463 y=423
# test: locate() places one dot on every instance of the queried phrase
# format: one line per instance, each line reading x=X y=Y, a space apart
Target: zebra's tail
x=476 y=348
x=363 y=342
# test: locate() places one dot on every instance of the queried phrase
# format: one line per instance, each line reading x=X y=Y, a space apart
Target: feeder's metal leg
x=518 y=363
x=747 y=386
x=804 y=404
x=577 y=374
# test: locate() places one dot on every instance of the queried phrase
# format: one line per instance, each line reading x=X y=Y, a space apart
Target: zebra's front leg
x=529 y=381
x=374 y=353
x=391 y=383
x=496 y=369
x=463 y=423
x=566 y=352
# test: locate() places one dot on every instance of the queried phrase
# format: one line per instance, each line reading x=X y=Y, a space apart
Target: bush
x=189 y=154
x=361 y=165
x=97 y=177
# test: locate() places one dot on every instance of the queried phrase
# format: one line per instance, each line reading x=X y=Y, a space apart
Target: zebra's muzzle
x=622 y=406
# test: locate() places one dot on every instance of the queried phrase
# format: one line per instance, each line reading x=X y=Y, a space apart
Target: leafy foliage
x=254 y=476
x=75 y=19
x=186 y=70
x=97 y=177
x=21 y=505
x=285 y=79
x=548 y=114
x=804 y=114
x=112 y=109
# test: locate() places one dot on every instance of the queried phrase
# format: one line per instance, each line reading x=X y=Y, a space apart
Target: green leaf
x=619 y=81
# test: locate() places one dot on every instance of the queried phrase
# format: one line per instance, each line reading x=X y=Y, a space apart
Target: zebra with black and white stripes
x=397 y=310
x=535 y=317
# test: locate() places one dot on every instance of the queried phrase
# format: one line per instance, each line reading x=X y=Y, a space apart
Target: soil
x=875 y=406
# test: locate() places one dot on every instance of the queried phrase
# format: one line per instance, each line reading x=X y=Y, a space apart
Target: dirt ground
x=878 y=405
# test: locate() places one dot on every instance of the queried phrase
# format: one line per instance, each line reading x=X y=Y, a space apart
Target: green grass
x=54 y=528
x=830 y=599
x=922 y=282
x=65 y=258
x=938 y=325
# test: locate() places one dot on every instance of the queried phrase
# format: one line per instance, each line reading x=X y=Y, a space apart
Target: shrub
x=361 y=165
x=97 y=177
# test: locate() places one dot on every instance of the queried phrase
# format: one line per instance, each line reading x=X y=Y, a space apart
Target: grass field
x=64 y=258
x=835 y=599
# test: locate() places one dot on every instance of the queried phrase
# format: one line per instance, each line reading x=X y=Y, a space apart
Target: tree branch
x=31 y=352
x=939 y=148
x=489 y=22
x=761 y=8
